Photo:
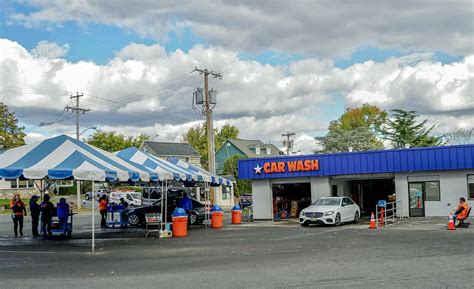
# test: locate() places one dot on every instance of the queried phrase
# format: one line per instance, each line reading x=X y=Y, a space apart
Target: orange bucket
x=236 y=217
x=216 y=220
x=180 y=226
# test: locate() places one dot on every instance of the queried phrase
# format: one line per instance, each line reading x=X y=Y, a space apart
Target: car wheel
x=337 y=220
x=193 y=219
x=133 y=220
x=356 y=218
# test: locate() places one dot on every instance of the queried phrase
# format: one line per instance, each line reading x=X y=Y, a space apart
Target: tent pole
x=162 y=200
x=166 y=202
x=93 y=218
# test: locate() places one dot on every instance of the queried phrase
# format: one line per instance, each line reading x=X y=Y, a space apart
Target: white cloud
x=151 y=92
x=50 y=50
x=320 y=28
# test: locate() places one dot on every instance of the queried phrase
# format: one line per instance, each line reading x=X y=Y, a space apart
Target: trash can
x=216 y=217
x=180 y=223
x=236 y=215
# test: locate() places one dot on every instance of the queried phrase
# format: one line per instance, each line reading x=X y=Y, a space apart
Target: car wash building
x=426 y=181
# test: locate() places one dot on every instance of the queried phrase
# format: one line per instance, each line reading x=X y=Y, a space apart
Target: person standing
x=35 y=214
x=18 y=211
x=186 y=203
x=63 y=214
x=103 y=211
x=47 y=212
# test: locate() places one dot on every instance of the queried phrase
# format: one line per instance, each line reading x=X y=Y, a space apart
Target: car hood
x=323 y=209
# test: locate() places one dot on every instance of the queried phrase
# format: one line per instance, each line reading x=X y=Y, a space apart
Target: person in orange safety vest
x=461 y=211
x=103 y=202
x=18 y=212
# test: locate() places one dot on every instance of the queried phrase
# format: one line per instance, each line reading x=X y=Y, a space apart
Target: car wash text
x=291 y=166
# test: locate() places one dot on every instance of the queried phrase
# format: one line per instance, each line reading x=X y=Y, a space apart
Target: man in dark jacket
x=47 y=212
x=35 y=214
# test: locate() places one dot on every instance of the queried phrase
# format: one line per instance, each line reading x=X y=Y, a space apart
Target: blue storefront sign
x=370 y=162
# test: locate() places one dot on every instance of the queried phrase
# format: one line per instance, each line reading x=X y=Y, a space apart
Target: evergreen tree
x=403 y=131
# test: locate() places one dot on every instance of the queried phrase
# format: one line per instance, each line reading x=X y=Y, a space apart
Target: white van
x=134 y=199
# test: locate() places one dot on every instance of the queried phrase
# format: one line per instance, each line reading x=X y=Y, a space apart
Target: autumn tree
x=112 y=141
x=11 y=135
x=461 y=136
x=403 y=130
x=196 y=136
x=357 y=129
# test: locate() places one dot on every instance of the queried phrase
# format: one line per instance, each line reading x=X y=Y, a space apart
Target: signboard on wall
x=290 y=166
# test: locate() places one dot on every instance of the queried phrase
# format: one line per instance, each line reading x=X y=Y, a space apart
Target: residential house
x=168 y=150
x=244 y=147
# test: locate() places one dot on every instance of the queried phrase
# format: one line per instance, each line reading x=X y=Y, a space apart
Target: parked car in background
x=330 y=211
x=246 y=201
x=134 y=199
x=136 y=216
x=98 y=194
x=150 y=195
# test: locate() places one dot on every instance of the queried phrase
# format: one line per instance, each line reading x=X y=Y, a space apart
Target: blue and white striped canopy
x=207 y=175
x=63 y=157
x=158 y=165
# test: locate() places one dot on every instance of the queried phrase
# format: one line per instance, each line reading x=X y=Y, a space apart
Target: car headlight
x=301 y=213
x=329 y=213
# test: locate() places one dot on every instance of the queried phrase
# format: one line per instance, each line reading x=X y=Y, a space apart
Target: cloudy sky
x=286 y=65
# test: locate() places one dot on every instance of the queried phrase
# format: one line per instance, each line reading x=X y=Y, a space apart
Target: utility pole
x=210 y=126
x=287 y=142
x=78 y=110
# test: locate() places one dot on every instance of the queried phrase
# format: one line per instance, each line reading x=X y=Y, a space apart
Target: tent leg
x=162 y=201
x=93 y=218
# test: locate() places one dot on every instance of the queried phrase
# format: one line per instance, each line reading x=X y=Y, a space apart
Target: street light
x=94 y=128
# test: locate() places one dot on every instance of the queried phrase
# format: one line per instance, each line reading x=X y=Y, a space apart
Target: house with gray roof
x=168 y=150
x=244 y=147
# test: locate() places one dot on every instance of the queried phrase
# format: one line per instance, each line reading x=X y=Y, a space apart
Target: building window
x=186 y=159
x=225 y=193
x=21 y=184
x=257 y=150
x=269 y=150
x=470 y=186
x=432 y=191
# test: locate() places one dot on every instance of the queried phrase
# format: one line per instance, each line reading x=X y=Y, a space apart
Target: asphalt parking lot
x=417 y=253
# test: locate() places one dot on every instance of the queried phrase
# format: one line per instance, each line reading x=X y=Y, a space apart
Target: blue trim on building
x=458 y=157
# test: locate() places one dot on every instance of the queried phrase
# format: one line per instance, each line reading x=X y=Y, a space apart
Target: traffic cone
x=372 y=222
x=451 y=223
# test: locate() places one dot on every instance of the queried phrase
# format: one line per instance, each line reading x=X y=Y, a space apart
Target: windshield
x=136 y=195
x=327 y=202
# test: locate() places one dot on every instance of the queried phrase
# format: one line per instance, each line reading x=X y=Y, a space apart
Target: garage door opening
x=367 y=193
x=290 y=199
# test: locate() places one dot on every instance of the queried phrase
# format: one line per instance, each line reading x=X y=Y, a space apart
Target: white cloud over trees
x=144 y=89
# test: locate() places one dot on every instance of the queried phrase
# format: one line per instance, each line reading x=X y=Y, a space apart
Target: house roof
x=245 y=146
x=171 y=149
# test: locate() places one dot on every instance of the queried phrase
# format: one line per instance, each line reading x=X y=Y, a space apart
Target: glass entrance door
x=416 y=194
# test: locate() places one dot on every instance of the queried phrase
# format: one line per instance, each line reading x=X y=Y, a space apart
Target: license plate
x=314 y=219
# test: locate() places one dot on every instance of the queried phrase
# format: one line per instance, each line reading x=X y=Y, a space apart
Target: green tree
x=112 y=141
x=196 y=136
x=357 y=129
x=231 y=167
x=11 y=135
x=403 y=130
